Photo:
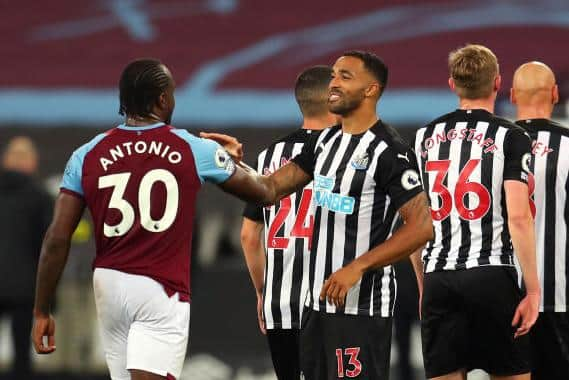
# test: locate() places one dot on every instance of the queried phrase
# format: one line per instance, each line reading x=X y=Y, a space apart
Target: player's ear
x=163 y=100
x=555 y=95
x=451 y=84
x=512 y=96
x=497 y=82
x=372 y=91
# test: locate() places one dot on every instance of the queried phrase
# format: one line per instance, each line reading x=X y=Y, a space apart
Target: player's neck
x=358 y=122
x=534 y=112
x=141 y=121
x=318 y=123
x=477 y=104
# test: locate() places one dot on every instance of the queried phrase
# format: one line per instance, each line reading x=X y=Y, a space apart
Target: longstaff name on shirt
x=540 y=148
x=468 y=134
x=270 y=170
x=140 y=147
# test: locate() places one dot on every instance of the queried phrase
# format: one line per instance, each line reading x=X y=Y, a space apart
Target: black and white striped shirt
x=360 y=182
x=288 y=230
x=464 y=158
x=551 y=168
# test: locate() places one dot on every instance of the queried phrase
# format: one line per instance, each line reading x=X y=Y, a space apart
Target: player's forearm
x=251 y=187
x=251 y=242
x=523 y=239
x=267 y=190
x=406 y=240
x=255 y=259
x=51 y=264
x=417 y=264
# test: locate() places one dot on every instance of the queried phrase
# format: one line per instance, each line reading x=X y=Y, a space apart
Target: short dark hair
x=373 y=64
x=141 y=83
x=311 y=90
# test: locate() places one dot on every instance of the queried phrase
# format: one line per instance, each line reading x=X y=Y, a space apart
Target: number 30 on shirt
x=119 y=184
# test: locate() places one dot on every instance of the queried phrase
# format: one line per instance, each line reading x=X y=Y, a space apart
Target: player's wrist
x=41 y=313
x=358 y=266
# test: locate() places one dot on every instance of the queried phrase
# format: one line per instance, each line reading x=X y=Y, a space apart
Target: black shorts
x=550 y=347
x=284 y=347
x=336 y=346
x=467 y=322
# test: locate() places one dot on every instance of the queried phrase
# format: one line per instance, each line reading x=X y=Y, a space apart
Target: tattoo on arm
x=418 y=210
x=248 y=185
x=289 y=179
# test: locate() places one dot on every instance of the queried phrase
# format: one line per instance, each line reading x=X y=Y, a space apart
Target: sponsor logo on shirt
x=360 y=162
x=324 y=197
x=403 y=156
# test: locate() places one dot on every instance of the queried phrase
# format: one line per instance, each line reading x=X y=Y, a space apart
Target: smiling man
x=364 y=175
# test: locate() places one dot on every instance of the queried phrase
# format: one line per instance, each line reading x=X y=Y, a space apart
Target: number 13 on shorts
x=353 y=367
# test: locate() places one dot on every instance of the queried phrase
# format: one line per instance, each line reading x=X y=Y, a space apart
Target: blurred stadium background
x=235 y=62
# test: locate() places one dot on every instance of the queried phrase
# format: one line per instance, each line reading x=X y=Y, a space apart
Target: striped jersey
x=288 y=232
x=464 y=158
x=359 y=184
x=549 y=188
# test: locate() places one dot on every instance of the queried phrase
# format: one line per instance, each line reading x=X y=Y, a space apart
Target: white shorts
x=141 y=327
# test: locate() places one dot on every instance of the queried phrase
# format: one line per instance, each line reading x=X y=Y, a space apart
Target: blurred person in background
x=535 y=94
x=280 y=270
x=25 y=213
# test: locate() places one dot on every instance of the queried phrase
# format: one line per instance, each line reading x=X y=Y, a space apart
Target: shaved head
x=534 y=84
x=533 y=77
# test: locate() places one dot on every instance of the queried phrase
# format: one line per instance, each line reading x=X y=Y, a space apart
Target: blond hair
x=473 y=69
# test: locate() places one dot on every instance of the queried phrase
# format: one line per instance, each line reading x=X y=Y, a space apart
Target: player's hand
x=526 y=314
x=231 y=144
x=338 y=284
x=262 y=326
x=43 y=326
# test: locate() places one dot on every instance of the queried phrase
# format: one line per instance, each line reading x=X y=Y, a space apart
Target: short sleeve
x=73 y=174
x=306 y=159
x=397 y=174
x=252 y=211
x=213 y=163
x=71 y=181
x=517 y=155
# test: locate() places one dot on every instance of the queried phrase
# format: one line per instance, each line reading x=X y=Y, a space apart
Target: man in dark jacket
x=25 y=212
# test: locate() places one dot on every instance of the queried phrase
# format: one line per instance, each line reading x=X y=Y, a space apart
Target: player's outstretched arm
x=415 y=232
x=521 y=226
x=252 y=244
x=54 y=252
x=246 y=184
